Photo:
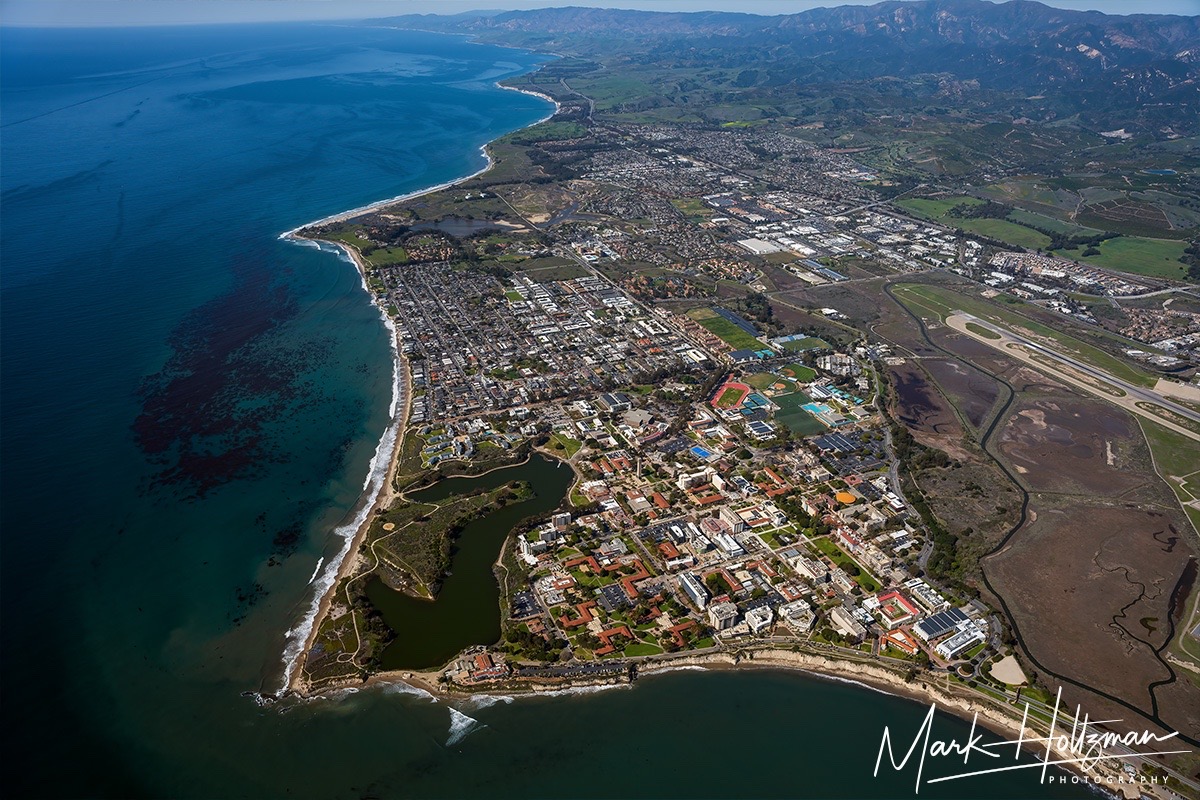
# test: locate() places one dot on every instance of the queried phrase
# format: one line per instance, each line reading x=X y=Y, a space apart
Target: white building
x=759 y=619
x=694 y=589
x=722 y=615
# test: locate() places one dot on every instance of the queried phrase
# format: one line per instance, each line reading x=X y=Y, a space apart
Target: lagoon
x=466 y=610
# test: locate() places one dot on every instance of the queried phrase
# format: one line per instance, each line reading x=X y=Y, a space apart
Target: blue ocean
x=191 y=407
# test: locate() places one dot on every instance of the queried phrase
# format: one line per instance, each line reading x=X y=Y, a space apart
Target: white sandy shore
x=299 y=639
x=377 y=492
x=341 y=216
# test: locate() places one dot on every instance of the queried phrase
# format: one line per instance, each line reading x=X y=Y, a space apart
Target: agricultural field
x=1003 y=230
x=1153 y=225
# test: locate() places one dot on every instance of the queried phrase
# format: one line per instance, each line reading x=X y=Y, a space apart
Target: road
x=1133 y=394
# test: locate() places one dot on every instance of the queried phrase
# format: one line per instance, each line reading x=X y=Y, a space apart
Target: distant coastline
x=299 y=639
x=342 y=216
x=870 y=676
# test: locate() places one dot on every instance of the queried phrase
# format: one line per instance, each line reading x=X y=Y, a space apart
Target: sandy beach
x=953 y=699
x=385 y=494
x=1004 y=721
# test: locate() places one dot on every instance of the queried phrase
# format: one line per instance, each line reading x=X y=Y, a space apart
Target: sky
x=171 y=12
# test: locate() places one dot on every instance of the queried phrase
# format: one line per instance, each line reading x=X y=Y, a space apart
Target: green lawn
x=761 y=380
x=976 y=650
x=1157 y=258
x=692 y=207
x=513 y=296
x=731 y=334
x=807 y=343
x=795 y=418
x=843 y=559
x=729 y=398
x=799 y=372
x=642 y=649
x=565 y=444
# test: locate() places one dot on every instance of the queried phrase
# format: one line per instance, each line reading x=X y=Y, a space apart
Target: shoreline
x=864 y=676
x=820 y=666
x=871 y=676
x=342 y=216
x=298 y=640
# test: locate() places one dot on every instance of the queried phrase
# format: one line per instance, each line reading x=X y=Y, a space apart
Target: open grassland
x=935 y=209
x=1036 y=220
x=1003 y=230
x=807 y=343
x=1158 y=258
x=551 y=268
x=1178 y=462
x=942 y=302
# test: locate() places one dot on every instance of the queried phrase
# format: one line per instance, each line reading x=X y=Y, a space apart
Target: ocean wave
x=354 y=212
x=461 y=726
x=573 y=690
x=316 y=569
x=297 y=636
x=478 y=702
x=850 y=681
x=680 y=668
x=409 y=690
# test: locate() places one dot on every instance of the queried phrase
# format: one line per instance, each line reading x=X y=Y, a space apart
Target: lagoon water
x=191 y=406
